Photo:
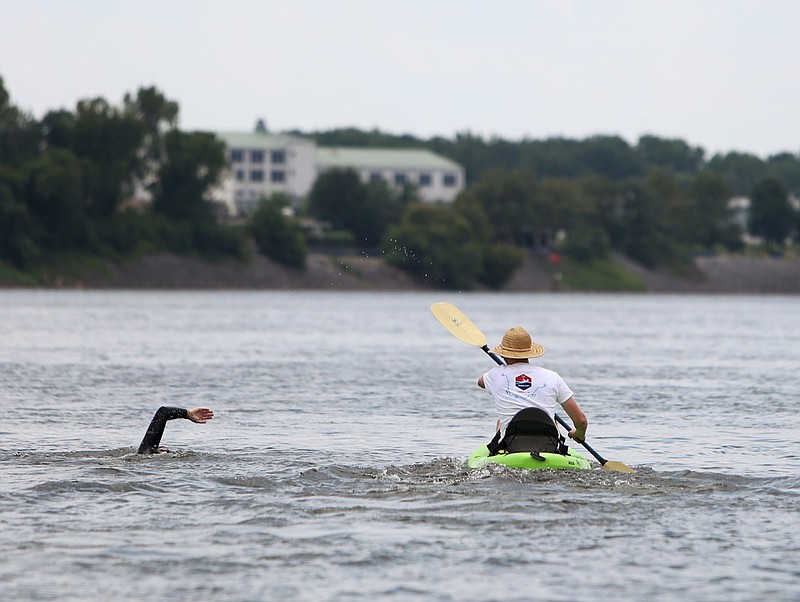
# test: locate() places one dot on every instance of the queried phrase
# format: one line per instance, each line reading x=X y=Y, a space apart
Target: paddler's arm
x=152 y=438
x=578 y=418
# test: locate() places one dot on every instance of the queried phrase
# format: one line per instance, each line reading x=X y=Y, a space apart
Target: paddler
x=519 y=384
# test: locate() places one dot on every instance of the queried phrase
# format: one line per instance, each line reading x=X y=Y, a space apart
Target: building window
x=277 y=176
x=278 y=157
x=375 y=176
x=240 y=175
x=399 y=179
x=257 y=175
x=257 y=156
x=424 y=179
x=237 y=155
x=449 y=180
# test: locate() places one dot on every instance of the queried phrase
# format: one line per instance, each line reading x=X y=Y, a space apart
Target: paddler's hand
x=199 y=415
x=580 y=438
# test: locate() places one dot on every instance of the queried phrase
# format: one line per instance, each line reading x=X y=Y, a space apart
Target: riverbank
x=355 y=272
x=322 y=272
x=745 y=275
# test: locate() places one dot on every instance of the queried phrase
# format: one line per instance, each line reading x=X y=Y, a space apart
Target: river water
x=335 y=467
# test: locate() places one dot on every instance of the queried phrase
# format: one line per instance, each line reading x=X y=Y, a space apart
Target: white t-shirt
x=524 y=385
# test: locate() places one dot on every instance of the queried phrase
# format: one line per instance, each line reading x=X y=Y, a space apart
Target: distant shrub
x=499 y=264
x=586 y=242
x=277 y=236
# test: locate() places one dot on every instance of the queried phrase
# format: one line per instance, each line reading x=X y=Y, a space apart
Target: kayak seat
x=530 y=430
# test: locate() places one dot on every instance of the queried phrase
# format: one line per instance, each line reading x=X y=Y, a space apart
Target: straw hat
x=517 y=344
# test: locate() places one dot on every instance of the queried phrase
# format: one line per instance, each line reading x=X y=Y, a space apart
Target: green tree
x=797 y=225
x=709 y=217
x=277 y=235
x=500 y=261
x=469 y=207
x=604 y=203
x=19 y=133
x=740 y=170
x=355 y=137
x=107 y=142
x=16 y=226
x=339 y=197
x=157 y=114
x=54 y=194
x=470 y=151
x=586 y=242
x=672 y=204
x=786 y=167
x=610 y=156
x=58 y=129
x=558 y=204
x=437 y=245
x=506 y=198
x=771 y=215
x=450 y=246
x=554 y=157
x=648 y=237
x=670 y=154
x=194 y=163
x=391 y=203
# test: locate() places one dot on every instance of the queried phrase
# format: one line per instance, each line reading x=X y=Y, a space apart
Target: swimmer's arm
x=152 y=438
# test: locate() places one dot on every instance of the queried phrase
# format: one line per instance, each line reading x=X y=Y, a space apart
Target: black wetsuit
x=152 y=438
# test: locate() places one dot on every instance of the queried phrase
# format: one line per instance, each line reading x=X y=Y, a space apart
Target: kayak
x=530 y=460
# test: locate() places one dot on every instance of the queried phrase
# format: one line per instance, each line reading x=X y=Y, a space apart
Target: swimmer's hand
x=199 y=415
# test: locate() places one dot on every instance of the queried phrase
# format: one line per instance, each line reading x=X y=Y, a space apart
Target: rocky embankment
x=324 y=272
x=727 y=275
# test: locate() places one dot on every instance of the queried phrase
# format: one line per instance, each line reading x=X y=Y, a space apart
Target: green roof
x=259 y=140
x=382 y=158
x=344 y=157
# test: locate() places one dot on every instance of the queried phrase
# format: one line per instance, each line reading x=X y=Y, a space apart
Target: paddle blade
x=617 y=466
x=458 y=324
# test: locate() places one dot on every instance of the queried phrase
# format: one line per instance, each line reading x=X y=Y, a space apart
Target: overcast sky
x=721 y=74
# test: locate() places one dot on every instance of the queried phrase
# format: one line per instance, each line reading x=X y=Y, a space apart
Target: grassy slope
x=599 y=275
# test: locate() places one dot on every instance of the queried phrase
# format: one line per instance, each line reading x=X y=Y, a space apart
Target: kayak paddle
x=460 y=326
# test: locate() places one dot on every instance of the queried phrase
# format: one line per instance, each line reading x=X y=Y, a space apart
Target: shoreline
x=721 y=275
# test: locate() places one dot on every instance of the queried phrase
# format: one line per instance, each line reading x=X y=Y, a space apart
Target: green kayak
x=573 y=461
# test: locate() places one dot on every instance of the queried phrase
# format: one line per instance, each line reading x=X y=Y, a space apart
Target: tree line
x=66 y=179
x=658 y=202
x=609 y=156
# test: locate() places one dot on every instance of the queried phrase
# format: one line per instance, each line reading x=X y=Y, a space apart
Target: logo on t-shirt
x=523 y=381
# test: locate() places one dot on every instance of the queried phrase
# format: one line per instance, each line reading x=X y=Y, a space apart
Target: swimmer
x=152 y=438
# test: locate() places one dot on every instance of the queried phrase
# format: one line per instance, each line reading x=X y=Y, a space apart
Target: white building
x=261 y=164
x=436 y=178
